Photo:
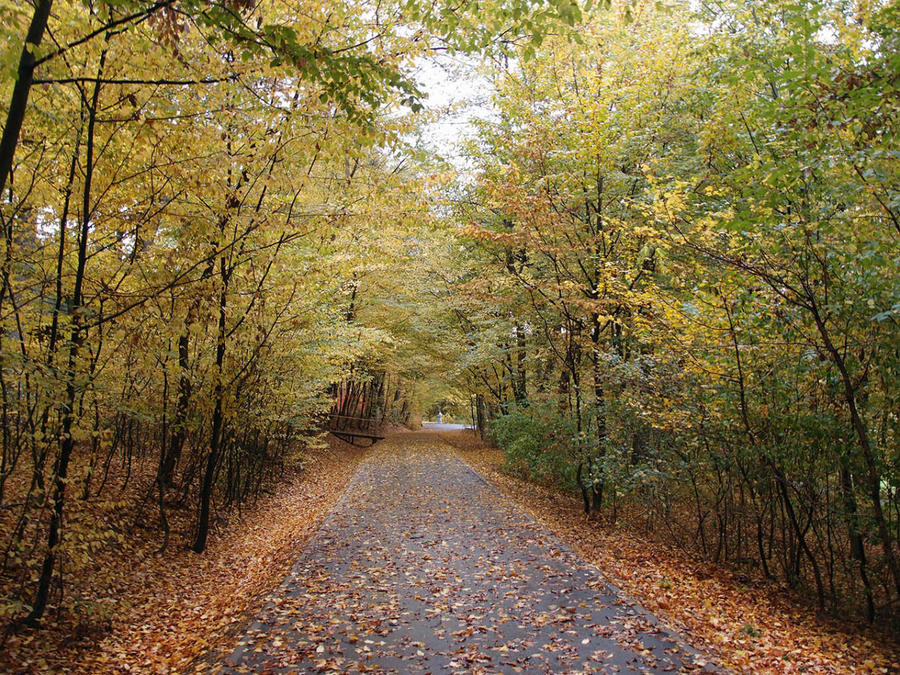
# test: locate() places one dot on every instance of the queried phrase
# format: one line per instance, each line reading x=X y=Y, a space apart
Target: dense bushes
x=540 y=444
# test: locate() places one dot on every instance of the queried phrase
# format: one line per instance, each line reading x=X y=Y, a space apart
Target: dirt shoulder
x=748 y=625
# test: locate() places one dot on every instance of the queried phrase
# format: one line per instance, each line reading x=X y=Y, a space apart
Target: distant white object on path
x=435 y=426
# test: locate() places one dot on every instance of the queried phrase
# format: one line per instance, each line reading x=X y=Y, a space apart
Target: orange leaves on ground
x=180 y=612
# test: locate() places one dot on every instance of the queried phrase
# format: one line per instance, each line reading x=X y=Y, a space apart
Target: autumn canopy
x=657 y=264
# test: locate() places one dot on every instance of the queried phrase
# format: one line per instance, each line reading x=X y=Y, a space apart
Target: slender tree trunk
x=521 y=388
x=873 y=475
x=15 y=116
x=479 y=414
x=61 y=251
x=67 y=442
x=215 y=440
x=857 y=545
x=177 y=435
x=599 y=403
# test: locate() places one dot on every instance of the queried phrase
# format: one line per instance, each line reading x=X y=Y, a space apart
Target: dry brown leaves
x=747 y=626
x=180 y=612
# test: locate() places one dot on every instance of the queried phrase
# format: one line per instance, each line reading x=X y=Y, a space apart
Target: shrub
x=540 y=443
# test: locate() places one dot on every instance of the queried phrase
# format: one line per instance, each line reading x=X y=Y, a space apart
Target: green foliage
x=539 y=443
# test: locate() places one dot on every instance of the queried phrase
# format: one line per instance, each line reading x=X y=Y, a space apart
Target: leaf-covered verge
x=178 y=612
x=747 y=624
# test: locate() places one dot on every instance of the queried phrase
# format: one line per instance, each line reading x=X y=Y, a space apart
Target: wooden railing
x=353 y=428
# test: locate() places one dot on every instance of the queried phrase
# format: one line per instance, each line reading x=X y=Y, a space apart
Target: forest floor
x=177 y=612
x=749 y=626
x=445 y=553
x=424 y=567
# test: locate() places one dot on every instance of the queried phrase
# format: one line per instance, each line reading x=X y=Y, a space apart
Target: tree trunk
x=599 y=403
x=179 y=418
x=15 y=116
x=67 y=442
x=873 y=475
x=857 y=546
x=520 y=390
x=217 y=419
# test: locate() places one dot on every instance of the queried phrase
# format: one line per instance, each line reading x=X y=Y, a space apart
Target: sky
x=459 y=94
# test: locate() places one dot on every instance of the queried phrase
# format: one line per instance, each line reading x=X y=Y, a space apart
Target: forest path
x=423 y=567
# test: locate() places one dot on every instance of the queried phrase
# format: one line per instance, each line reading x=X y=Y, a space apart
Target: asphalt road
x=434 y=426
x=423 y=567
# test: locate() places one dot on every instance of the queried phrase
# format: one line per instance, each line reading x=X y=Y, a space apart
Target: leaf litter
x=178 y=612
x=424 y=567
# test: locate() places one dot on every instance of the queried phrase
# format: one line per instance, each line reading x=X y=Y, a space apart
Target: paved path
x=442 y=426
x=423 y=567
